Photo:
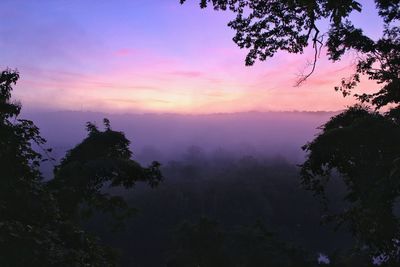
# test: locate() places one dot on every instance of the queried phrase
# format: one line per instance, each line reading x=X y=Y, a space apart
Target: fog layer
x=166 y=137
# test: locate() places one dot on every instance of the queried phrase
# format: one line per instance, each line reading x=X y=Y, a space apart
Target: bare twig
x=317 y=45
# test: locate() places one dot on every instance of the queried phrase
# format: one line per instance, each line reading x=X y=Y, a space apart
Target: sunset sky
x=154 y=56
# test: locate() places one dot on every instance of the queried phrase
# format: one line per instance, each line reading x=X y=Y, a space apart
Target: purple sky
x=153 y=56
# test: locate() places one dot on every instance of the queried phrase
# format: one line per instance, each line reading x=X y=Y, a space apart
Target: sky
x=155 y=56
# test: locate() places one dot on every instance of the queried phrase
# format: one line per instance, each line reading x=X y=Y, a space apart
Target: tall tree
x=363 y=146
x=102 y=158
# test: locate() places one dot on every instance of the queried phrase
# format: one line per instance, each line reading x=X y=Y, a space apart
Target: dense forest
x=239 y=200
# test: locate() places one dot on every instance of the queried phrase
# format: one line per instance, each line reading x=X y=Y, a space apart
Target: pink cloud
x=123 y=52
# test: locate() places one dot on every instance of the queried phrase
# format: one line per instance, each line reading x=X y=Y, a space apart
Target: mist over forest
x=166 y=137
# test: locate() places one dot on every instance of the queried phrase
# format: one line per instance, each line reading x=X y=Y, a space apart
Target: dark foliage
x=103 y=158
x=363 y=147
x=265 y=27
x=204 y=244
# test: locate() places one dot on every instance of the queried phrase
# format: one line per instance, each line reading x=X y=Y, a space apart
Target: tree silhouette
x=103 y=158
x=38 y=223
x=266 y=27
x=32 y=231
x=362 y=145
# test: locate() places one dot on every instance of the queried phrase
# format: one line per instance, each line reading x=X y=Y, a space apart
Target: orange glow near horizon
x=226 y=86
x=166 y=58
